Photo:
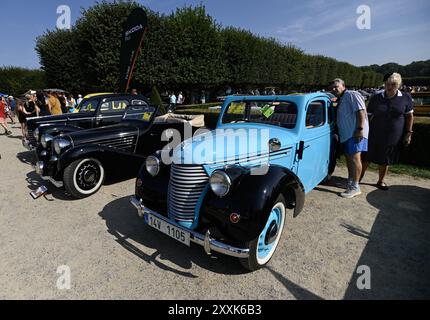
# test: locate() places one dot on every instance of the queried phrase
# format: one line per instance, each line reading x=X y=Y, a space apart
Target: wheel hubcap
x=272 y=233
x=88 y=175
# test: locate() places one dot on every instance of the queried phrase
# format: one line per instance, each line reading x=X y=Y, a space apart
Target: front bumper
x=205 y=241
x=27 y=145
x=40 y=165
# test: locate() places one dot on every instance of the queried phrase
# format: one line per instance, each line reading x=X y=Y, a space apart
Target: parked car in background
x=221 y=203
x=421 y=103
x=95 y=111
x=81 y=160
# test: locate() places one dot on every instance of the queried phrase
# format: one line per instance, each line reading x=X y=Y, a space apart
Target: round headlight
x=36 y=134
x=45 y=139
x=60 y=144
x=220 y=183
x=152 y=165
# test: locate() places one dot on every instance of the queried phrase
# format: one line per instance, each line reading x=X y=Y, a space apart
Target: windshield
x=140 y=112
x=279 y=113
x=89 y=105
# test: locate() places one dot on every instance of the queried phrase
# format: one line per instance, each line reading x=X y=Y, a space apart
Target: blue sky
x=399 y=30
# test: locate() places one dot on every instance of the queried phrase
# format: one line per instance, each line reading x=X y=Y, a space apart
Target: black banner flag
x=131 y=43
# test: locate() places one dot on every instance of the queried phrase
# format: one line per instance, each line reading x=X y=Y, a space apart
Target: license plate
x=169 y=229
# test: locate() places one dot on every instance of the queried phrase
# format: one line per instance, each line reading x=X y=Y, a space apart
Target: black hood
x=97 y=135
x=58 y=119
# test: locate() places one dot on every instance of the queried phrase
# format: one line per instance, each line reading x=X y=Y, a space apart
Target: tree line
x=185 y=50
x=15 y=81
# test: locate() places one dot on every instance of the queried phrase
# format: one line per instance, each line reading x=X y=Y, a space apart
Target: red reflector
x=234 y=218
x=138 y=183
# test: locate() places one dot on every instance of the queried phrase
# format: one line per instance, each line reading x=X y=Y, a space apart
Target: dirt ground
x=113 y=255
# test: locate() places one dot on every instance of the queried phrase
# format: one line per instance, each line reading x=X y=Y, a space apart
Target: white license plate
x=169 y=229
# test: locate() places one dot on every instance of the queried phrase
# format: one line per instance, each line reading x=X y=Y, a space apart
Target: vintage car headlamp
x=36 y=134
x=60 y=144
x=220 y=183
x=152 y=165
x=46 y=138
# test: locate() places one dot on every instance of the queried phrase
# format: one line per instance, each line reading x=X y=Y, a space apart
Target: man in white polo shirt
x=353 y=127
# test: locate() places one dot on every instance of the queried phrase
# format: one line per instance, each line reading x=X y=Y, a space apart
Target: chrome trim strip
x=250 y=158
x=205 y=241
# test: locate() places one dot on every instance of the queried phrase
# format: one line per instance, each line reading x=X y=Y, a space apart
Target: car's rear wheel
x=84 y=177
x=262 y=248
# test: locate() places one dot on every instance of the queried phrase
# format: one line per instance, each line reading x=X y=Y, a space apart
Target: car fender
x=111 y=159
x=252 y=197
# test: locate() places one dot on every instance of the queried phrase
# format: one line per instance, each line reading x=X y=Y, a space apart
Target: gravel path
x=113 y=255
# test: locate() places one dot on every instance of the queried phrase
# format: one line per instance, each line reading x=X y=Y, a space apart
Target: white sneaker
x=350 y=193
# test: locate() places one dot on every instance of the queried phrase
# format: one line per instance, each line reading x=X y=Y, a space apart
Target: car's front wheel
x=262 y=248
x=84 y=177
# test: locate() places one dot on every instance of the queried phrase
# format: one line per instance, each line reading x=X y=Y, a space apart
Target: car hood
x=231 y=144
x=36 y=121
x=101 y=134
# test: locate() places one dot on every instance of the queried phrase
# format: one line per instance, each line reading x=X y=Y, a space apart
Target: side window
x=234 y=112
x=315 y=116
x=88 y=106
x=113 y=106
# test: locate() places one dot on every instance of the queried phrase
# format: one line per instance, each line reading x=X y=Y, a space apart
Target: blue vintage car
x=229 y=189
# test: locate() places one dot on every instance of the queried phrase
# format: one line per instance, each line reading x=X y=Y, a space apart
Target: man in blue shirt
x=353 y=125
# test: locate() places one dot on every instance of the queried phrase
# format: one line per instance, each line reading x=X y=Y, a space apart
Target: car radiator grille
x=185 y=188
x=31 y=137
x=123 y=143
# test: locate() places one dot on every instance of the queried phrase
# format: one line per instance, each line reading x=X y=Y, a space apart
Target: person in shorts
x=353 y=125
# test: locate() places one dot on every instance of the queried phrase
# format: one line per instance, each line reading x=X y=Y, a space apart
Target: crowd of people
x=175 y=100
x=34 y=104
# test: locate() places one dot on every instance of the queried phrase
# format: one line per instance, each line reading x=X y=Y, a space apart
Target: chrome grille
x=185 y=188
x=31 y=138
x=123 y=143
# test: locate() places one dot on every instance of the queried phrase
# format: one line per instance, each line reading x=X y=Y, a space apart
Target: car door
x=111 y=111
x=314 y=146
x=87 y=112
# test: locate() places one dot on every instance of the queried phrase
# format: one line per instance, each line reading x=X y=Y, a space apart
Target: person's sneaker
x=350 y=193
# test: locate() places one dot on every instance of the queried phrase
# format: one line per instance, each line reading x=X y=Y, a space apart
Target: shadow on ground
x=35 y=181
x=123 y=222
x=398 y=250
x=27 y=157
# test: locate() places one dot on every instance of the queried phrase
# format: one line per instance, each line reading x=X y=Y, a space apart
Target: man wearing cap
x=353 y=126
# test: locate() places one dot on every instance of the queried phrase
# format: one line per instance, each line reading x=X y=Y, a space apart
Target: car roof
x=279 y=97
x=114 y=95
x=96 y=94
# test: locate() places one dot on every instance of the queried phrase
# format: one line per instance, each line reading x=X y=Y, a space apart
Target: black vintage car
x=93 y=112
x=81 y=160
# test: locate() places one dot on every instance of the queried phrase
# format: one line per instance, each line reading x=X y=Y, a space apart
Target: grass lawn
x=414 y=171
